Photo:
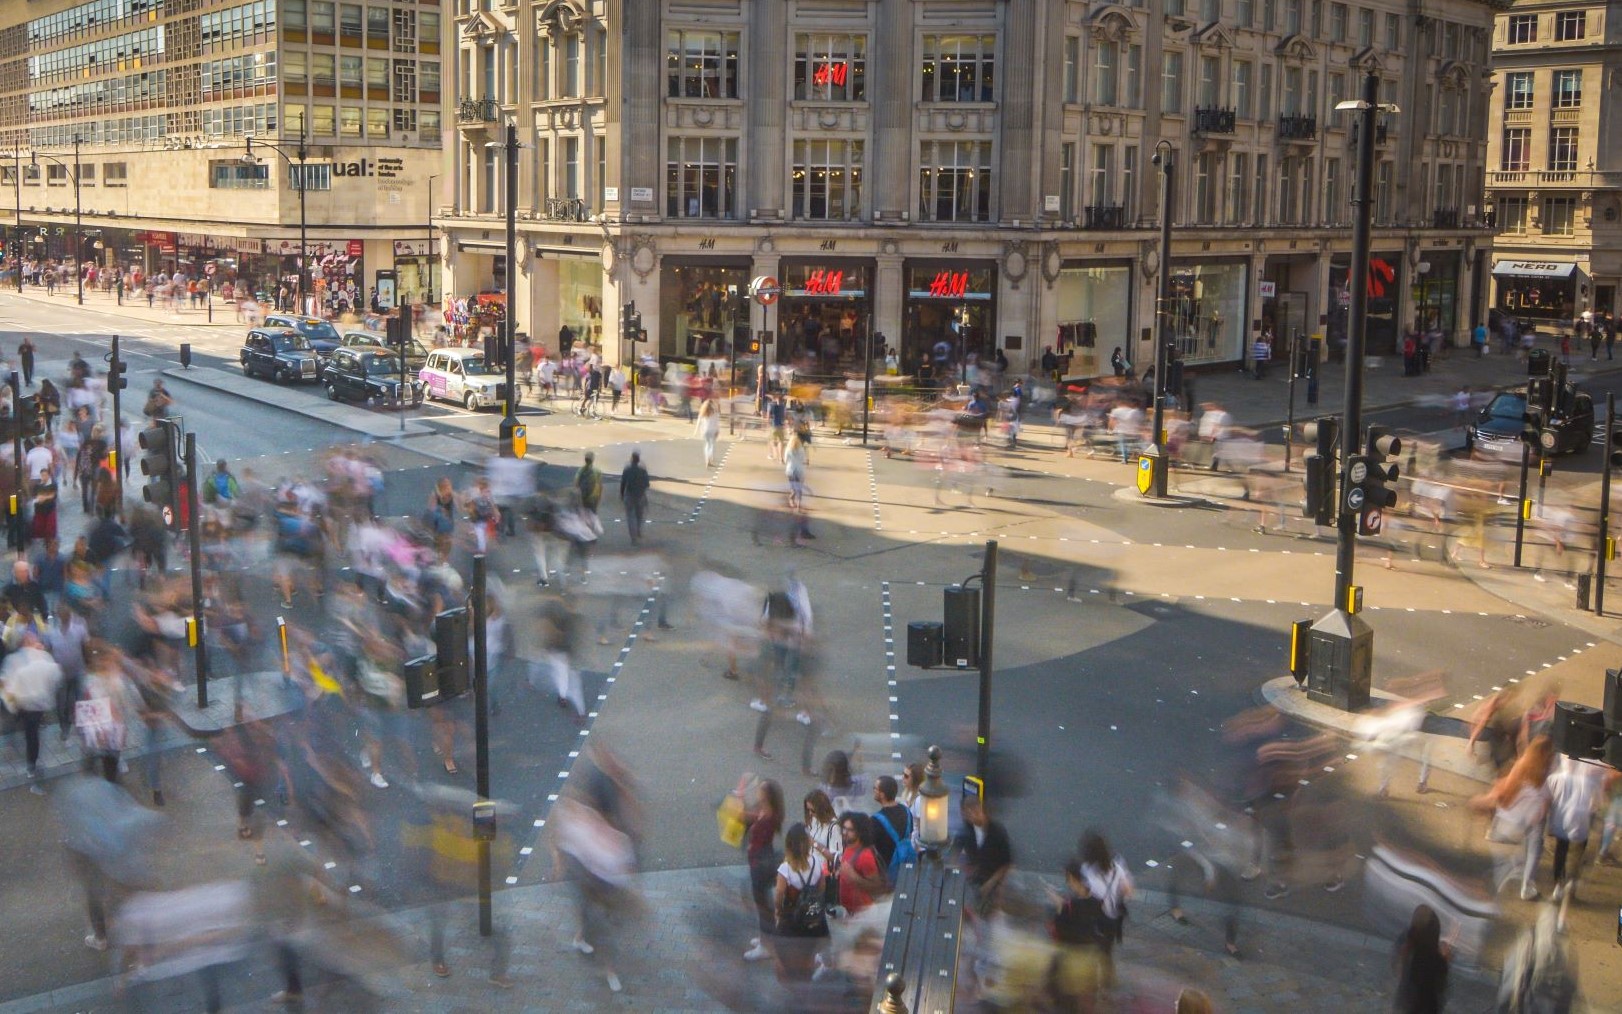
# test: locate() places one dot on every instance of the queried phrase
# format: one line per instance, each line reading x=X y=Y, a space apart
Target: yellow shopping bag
x=729 y=820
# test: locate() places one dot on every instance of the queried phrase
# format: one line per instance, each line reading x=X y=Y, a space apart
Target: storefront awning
x=1534 y=269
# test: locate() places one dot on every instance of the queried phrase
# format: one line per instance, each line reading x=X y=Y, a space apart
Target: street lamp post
x=1156 y=452
x=509 y=421
x=249 y=158
x=428 y=271
x=78 y=212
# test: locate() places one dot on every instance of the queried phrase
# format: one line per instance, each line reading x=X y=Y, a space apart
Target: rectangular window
x=1291 y=103
x=1382 y=193
x=350 y=71
x=292 y=14
x=1569 y=26
x=701 y=65
x=314 y=176
x=1337 y=94
x=1523 y=28
x=349 y=122
x=377 y=75
x=1568 y=89
x=1512 y=215
x=1171 y=83
x=323 y=71
x=377 y=122
x=1244 y=14
x=1393 y=32
x=1067 y=182
x=349 y=22
x=1104 y=72
x=1287 y=169
x=1258 y=203
x=1365 y=27
x=542 y=68
x=377 y=27
x=959 y=68
x=570 y=86
x=115 y=174
x=599 y=144
x=1205 y=187
x=427 y=81
x=323 y=121
x=1264 y=94
x=1072 y=68
x=1332 y=210
x=1518 y=90
x=294 y=119
x=831 y=68
x=1101 y=177
x=1175 y=8
x=701 y=176
x=954 y=181
x=1269 y=13
x=1210 y=82
x=1563 y=149
x=1241 y=89
x=1292 y=17
x=1337 y=22
x=1559 y=216
x=1516 y=155
x=1238 y=186
x=294 y=67
x=828 y=180
x=570 y=183
x=1134 y=76
x=1210 y=11
x=233 y=175
x=56 y=175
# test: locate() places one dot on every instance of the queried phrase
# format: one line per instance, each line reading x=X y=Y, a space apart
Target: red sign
x=949 y=284
x=1381 y=274
x=354 y=248
x=830 y=74
x=824 y=283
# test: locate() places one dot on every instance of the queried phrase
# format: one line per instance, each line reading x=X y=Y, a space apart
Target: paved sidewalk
x=133 y=307
x=683 y=952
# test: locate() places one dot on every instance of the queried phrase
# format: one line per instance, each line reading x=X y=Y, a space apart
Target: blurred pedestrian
x=1576 y=790
x=29 y=681
x=25 y=357
x=1085 y=938
x=763 y=817
x=1107 y=878
x=1518 y=804
x=588 y=481
x=634 y=484
x=987 y=855
x=1421 y=963
x=708 y=428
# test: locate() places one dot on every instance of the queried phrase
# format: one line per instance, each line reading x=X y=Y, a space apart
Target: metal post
x=1289 y=422
x=118 y=431
x=19 y=469
x=1545 y=466
x=78 y=222
x=210 y=302
x=1157 y=437
x=429 y=253
x=1520 y=501
x=17 y=185
x=1357 y=324
x=867 y=382
x=988 y=618
x=303 y=225
x=481 y=736
x=194 y=536
x=1604 y=507
x=509 y=420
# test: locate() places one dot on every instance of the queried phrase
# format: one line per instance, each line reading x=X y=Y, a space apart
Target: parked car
x=281 y=354
x=461 y=375
x=416 y=354
x=1496 y=431
x=322 y=335
x=370 y=374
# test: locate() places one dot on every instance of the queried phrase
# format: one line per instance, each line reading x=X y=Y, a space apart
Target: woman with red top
x=861 y=878
x=764 y=822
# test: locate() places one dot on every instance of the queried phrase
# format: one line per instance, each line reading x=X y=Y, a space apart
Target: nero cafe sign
x=381 y=168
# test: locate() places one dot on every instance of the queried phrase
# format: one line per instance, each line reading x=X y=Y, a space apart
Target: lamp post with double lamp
x=78 y=211
x=249 y=158
x=1341 y=645
x=509 y=420
x=1155 y=455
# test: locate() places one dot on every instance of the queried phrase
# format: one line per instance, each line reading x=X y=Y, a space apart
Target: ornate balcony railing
x=1297 y=128
x=564 y=209
x=1103 y=216
x=478 y=111
x=1214 y=121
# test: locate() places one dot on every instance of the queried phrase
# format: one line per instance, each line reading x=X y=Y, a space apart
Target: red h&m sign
x=824 y=283
x=831 y=74
x=949 y=284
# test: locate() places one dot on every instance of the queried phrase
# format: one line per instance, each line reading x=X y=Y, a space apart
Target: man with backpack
x=892 y=829
x=220 y=492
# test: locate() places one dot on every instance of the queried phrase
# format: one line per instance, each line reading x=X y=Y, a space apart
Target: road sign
x=1354 y=498
x=520 y=440
x=765 y=289
x=210 y=269
x=1370 y=522
x=1146 y=474
x=1267 y=289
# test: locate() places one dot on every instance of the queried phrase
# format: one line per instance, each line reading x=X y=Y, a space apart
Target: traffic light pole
x=481 y=737
x=1600 y=548
x=19 y=468
x=509 y=419
x=118 y=425
x=988 y=631
x=1289 y=419
x=194 y=536
x=1520 y=501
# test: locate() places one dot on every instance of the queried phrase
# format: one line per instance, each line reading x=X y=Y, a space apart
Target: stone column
x=890 y=85
x=1020 y=68
x=643 y=78
x=765 y=318
x=889 y=297
x=766 y=96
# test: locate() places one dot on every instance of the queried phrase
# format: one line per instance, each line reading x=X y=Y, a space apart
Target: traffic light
x=1382 y=476
x=399 y=327
x=116 y=379
x=1320 y=471
x=631 y=322
x=160 y=463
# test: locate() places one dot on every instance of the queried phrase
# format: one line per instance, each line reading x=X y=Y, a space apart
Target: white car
x=461 y=375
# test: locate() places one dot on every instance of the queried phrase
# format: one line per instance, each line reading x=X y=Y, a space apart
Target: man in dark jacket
x=634 y=495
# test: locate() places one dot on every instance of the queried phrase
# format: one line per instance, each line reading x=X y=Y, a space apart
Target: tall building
x=964 y=175
x=137 y=114
x=1555 y=181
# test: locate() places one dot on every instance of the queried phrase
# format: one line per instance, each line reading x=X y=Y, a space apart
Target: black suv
x=322 y=335
x=368 y=374
x=1496 y=432
x=281 y=354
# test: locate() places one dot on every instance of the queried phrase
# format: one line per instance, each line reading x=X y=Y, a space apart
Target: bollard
x=1585 y=585
x=185 y=355
x=281 y=633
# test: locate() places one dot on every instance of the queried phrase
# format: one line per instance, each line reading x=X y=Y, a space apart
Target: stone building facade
x=962 y=176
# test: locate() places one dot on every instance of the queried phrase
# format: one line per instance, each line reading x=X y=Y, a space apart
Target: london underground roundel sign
x=765 y=289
